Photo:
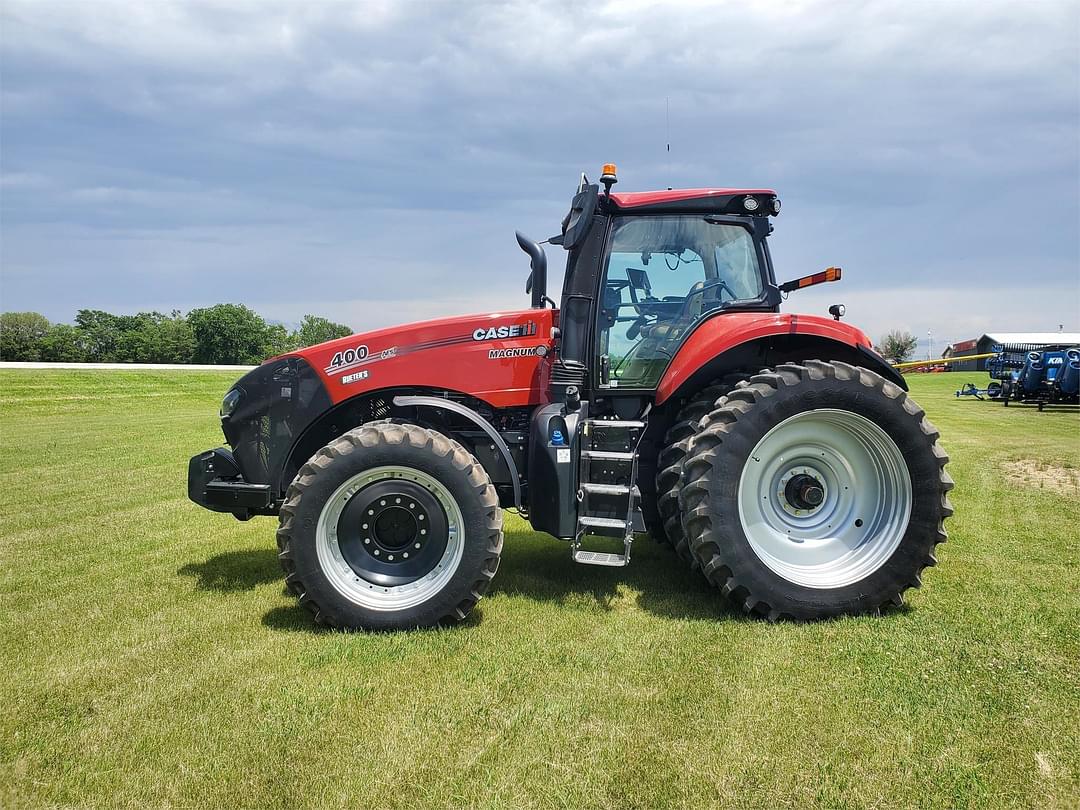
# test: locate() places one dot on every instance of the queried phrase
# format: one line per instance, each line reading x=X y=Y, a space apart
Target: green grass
x=151 y=657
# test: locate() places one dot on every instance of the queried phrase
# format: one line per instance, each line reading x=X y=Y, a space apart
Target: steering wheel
x=648 y=308
x=705 y=287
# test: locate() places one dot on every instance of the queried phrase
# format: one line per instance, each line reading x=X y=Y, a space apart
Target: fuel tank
x=496 y=357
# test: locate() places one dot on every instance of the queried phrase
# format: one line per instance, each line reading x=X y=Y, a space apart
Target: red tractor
x=779 y=455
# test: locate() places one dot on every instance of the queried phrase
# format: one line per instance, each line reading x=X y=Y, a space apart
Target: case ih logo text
x=503 y=332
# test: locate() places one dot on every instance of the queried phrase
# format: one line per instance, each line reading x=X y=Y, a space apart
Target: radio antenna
x=667 y=135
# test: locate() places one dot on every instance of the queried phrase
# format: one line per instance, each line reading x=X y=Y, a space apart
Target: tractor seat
x=691 y=311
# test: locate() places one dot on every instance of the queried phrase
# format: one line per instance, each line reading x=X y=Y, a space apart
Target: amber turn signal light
x=828 y=274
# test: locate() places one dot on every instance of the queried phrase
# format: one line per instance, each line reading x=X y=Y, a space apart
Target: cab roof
x=688 y=200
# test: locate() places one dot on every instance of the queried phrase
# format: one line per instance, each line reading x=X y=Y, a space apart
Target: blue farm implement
x=992 y=391
x=1037 y=375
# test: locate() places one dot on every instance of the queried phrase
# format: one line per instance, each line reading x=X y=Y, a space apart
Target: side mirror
x=576 y=223
x=537 y=283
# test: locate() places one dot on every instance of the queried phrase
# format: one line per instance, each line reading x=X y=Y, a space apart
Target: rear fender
x=750 y=341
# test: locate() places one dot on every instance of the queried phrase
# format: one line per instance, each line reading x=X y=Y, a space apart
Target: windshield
x=665 y=274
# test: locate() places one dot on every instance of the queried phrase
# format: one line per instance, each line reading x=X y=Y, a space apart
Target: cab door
x=664 y=275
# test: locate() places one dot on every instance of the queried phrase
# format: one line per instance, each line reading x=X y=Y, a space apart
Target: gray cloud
x=372 y=161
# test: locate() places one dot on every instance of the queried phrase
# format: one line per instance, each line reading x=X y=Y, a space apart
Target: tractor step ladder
x=613 y=442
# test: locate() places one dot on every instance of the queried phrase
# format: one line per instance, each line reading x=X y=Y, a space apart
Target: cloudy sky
x=370 y=161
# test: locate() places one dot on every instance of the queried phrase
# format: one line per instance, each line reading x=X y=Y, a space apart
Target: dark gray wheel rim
x=390 y=538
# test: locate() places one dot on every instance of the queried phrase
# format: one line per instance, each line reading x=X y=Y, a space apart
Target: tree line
x=227 y=334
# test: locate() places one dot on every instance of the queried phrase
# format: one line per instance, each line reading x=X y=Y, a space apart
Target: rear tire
x=389 y=527
x=670 y=462
x=815 y=490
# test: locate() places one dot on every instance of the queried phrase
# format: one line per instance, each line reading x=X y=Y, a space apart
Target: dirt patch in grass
x=1044 y=476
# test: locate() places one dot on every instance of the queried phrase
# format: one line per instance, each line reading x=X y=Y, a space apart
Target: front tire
x=390 y=527
x=815 y=490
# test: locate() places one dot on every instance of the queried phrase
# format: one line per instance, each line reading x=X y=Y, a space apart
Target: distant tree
x=63 y=343
x=101 y=334
x=897 y=346
x=228 y=334
x=279 y=340
x=136 y=336
x=314 y=330
x=174 y=341
x=21 y=334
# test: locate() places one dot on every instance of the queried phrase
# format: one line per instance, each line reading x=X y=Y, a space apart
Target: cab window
x=664 y=274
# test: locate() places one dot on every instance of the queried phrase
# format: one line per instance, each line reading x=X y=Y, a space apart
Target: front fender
x=751 y=340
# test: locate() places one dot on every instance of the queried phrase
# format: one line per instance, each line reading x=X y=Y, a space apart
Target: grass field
x=152 y=658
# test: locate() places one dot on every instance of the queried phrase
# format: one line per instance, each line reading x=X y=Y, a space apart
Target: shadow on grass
x=533 y=566
x=540 y=568
x=293 y=618
x=235 y=570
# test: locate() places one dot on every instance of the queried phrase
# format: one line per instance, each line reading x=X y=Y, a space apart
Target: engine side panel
x=724 y=332
x=499 y=358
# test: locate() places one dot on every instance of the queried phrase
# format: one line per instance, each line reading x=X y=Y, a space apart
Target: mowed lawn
x=151 y=657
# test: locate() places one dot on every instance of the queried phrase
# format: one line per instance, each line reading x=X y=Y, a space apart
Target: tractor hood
x=495 y=357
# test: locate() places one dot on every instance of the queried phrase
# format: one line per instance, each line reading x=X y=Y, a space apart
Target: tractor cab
x=643 y=270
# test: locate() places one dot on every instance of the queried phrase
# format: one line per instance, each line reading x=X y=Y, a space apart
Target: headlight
x=229 y=403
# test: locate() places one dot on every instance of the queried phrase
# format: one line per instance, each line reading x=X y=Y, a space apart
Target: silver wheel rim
x=865 y=505
x=368 y=594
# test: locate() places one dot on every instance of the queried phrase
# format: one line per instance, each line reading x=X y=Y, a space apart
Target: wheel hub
x=392 y=532
x=803 y=492
x=395 y=529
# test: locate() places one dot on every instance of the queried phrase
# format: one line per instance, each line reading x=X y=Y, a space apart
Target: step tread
x=607 y=489
x=608 y=455
x=615 y=423
x=600 y=558
x=604 y=522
